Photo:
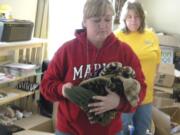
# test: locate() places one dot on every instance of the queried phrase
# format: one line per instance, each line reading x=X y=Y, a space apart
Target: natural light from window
x=64 y=17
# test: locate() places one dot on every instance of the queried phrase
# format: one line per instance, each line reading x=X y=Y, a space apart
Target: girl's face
x=132 y=21
x=99 y=28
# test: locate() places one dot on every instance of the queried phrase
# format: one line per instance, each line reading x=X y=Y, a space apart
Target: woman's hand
x=65 y=86
x=105 y=103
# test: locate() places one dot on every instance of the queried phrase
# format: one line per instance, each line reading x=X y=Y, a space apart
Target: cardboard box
x=165 y=75
x=44 y=127
x=161 y=102
x=31 y=132
x=161 y=121
x=168 y=40
x=164 y=89
x=31 y=122
x=173 y=112
x=162 y=94
x=35 y=125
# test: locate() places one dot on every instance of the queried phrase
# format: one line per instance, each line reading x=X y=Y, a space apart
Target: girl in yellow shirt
x=145 y=44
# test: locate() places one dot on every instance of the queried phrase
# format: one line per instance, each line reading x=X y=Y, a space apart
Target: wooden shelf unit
x=31 y=51
x=17 y=78
x=13 y=94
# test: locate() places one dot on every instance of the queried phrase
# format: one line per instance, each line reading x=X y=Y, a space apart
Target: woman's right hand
x=65 y=86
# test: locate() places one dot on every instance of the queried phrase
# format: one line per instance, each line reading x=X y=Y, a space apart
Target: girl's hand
x=105 y=103
x=65 y=86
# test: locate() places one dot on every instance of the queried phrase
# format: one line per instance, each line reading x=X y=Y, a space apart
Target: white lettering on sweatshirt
x=83 y=72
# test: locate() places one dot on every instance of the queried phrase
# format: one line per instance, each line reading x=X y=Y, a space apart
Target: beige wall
x=22 y=9
x=163 y=15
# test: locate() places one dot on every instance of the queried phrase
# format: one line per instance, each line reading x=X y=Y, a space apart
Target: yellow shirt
x=146 y=47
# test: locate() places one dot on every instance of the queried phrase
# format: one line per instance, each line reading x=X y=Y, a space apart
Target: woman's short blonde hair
x=137 y=8
x=96 y=8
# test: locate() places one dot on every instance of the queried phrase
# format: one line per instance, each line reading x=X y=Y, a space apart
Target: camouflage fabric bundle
x=122 y=81
x=114 y=76
x=82 y=97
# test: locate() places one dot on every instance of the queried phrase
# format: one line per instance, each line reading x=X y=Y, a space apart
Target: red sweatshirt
x=74 y=62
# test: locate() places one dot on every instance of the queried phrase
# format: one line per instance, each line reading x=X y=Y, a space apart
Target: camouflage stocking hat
x=98 y=86
x=131 y=90
x=126 y=76
x=82 y=96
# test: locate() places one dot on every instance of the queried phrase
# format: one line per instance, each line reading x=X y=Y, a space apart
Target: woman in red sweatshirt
x=91 y=49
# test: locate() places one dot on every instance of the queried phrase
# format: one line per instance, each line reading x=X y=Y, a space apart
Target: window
x=64 y=17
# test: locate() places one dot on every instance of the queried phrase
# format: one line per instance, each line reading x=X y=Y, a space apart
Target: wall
x=22 y=9
x=163 y=15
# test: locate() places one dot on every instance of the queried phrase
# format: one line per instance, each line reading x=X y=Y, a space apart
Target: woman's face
x=98 y=28
x=132 y=21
